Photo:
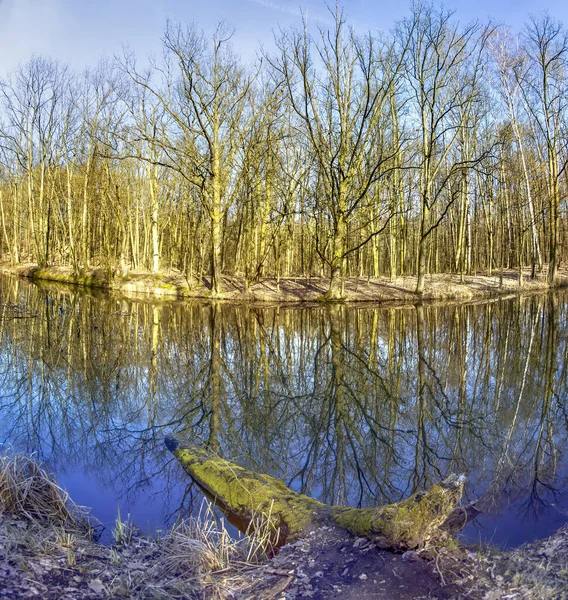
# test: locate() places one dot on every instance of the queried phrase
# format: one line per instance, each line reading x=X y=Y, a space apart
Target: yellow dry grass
x=27 y=490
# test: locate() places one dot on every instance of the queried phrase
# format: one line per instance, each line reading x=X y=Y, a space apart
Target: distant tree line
x=435 y=147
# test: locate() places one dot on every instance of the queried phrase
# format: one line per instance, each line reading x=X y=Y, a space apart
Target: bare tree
x=339 y=88
x=33 y=101
x=203 y=93
x=511 y=66
x=442 y=68
x=545 y=90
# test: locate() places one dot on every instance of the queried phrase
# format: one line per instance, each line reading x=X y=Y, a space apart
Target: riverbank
x=48 y=550
x=58 y=562
x=174 y=285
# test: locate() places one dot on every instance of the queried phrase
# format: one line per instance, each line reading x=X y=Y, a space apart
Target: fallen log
x=416 y=522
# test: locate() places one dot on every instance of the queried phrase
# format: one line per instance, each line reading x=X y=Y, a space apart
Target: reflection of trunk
x=419 y=473
x=505 y=459
x=501 y=362
x=215 y=378
x=337 y=397
x=462 y=339
x=545 y=444
x=412 y=523
x=153 y=374
x=395 y=369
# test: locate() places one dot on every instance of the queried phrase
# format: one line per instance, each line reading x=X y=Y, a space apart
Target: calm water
x=357 y=406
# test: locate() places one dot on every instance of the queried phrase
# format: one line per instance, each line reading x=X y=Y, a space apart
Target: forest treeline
x=435 y=147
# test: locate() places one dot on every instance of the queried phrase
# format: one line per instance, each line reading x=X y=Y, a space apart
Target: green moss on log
x=94 y=278
x=412 y=523
x=242 y=494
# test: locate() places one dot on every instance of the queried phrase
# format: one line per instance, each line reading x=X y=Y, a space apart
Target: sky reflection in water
x=357 y=406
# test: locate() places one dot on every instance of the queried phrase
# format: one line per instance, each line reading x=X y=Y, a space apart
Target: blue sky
x=80 y=31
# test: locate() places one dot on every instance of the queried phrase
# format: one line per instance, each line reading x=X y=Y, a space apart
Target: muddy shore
x=294 y=290
x=38 y=560
x=49 y=551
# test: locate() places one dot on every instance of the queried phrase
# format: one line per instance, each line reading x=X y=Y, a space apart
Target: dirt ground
x=331 y=564
x=43 y=562
x=296 y=289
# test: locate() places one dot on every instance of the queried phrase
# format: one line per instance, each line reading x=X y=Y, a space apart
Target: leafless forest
x=435 y=147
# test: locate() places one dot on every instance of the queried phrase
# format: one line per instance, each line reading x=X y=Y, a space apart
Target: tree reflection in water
x=353 y=405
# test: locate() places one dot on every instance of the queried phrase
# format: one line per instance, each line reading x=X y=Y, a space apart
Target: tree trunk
x=84 y=242
x=554 y=219
x=216 y=218
x=416 y=522
x=5 y=231
x=216 y=254
x=153 y=184
x=335 y=291
x=424 y=232
x=421 y=279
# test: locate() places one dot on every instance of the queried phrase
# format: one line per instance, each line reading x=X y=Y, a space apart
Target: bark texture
x=416 y=522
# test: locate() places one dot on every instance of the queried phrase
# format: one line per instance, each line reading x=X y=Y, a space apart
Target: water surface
x=359 y=406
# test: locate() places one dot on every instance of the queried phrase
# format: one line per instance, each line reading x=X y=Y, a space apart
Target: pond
x=352 y=405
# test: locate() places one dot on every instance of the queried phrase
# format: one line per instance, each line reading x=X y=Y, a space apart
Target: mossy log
x=241 y=494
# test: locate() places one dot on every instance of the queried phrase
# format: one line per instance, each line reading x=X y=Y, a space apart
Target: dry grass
x=220 y=564
x=263 y=537
x=27 y=490
x=203 y=543
x=42 y=529
x=198 y=558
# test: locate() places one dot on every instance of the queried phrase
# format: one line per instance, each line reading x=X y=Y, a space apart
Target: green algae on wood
x=138 y=283
x=242 y=494
x=412 y=523
x=88 y=278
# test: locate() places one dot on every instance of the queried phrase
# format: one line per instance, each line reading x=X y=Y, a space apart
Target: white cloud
x=300 y=9
x=278 y=7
